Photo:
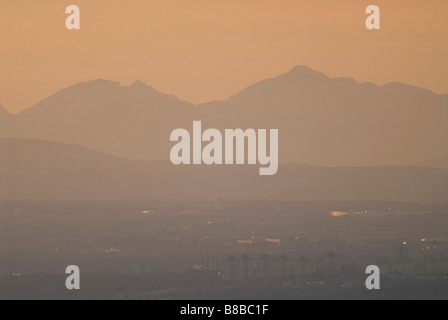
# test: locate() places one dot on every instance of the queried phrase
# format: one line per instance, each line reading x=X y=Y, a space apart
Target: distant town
x=223 y=249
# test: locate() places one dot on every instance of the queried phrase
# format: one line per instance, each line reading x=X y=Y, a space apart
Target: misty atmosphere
x=321 y=121
x=223 y=249
x=85 y=180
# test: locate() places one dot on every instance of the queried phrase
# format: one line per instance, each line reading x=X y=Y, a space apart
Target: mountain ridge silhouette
x=322 y=121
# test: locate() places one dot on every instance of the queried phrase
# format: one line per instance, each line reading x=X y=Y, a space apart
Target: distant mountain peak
x=138 y=83
x=306 y=72
x=97 y=82
x=94 y=86
x=268 y=90
x=140 y=86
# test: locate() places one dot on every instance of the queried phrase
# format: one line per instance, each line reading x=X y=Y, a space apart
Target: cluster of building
x=280 y=266
x=404 y=265
x=245 y=268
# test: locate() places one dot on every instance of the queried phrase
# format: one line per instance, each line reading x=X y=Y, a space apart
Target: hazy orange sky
x=200 y=50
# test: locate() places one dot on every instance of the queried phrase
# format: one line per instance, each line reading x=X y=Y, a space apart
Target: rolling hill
x=36 y=169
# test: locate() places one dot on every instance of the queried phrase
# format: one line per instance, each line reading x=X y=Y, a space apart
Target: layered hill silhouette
x=35 y=169
x=321 y=121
